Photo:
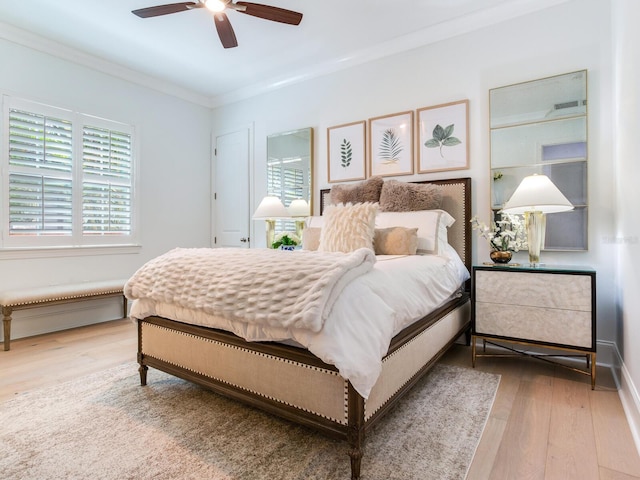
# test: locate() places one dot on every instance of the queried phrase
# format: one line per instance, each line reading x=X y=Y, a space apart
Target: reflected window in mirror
x=290 y=170
x=541 y=127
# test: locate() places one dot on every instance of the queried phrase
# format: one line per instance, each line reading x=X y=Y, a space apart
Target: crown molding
x=503 y=12
x=31 y=40
x=442 y=31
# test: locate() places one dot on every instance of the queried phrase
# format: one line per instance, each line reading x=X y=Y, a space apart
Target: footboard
x=293 y=383
x=282 y=379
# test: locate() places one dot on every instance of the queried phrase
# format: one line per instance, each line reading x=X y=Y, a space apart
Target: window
x=286 y=180
x=70 y=178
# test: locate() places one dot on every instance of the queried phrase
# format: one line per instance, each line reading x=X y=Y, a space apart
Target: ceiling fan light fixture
x=215 y=5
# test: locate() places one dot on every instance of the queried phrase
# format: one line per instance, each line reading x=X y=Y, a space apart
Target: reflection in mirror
x=541 y=127
x=290 y=170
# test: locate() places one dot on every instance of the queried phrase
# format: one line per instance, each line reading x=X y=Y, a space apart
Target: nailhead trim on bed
x=343 y=421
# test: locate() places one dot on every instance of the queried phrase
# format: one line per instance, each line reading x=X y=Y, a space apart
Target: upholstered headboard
x=456 y=199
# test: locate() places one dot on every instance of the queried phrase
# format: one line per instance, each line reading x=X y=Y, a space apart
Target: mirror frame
x=543 y=124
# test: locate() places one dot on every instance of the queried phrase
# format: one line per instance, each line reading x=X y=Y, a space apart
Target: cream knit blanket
x=262 y=286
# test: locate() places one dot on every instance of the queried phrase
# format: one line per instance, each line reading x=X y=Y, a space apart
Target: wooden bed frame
x=296 y=385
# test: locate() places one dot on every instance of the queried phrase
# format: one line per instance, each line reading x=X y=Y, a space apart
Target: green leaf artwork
x=390 y=147
x=346 y=153
x=442 y=138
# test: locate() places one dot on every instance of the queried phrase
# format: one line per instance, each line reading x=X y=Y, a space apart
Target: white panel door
x=231 y=194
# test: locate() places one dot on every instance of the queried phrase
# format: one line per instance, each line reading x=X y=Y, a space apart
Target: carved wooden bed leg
x=356 y=431
x=467 y=336
x=356 y=461
x=143 y=374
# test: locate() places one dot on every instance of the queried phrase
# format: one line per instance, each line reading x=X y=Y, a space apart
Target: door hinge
x=215 y=240
x=215 y=196
x=215 y=152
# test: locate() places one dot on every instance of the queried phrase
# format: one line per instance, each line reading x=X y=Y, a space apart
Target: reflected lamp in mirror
x=536 y=196
x=269 y=210
x=299 y=210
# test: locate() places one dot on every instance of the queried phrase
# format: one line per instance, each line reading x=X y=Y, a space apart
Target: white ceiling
x=181 y=53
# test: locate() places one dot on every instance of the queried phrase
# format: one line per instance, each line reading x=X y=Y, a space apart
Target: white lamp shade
x=269 y=208
x=299 y=208
x=537 y=193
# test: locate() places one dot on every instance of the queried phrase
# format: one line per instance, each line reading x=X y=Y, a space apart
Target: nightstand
x=549 y=306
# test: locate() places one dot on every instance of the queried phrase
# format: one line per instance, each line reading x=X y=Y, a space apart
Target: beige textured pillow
x=311 y=238
x=366 y=191
x=395 y=241
x=409 y=197
x=348 y=227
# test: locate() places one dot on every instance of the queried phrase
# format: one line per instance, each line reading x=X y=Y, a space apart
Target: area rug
x=106 y=427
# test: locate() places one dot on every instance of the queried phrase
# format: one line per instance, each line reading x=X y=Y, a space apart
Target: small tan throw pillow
x=362 y=192
x=396 y=241
x=311 y=238
x=348 y=227
x=409 y=197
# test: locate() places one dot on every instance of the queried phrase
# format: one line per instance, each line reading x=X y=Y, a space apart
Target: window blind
x=106 y=186
x=40 y=174
x=69 y=178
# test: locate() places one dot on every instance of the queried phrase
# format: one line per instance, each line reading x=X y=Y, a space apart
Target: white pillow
x=315 y=221
x=431 y=224
x=348 y=227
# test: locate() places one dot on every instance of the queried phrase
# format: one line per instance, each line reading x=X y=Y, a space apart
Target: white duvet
x=364 y=318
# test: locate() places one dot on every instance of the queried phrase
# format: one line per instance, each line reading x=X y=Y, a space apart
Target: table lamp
x=299 y=210
x=536 y=196
x=269 y=210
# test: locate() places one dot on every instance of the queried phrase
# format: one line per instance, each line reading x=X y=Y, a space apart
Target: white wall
x=627 y=165
x=174 y=149
x=573 y=36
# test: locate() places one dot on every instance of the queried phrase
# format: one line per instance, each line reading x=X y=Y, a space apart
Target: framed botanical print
x=346 y=151
x=391 y=145
x=443 y=137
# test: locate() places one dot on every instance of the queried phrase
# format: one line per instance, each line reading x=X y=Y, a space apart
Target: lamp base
x=535 y=222
x=271 y=231
x=300 y=227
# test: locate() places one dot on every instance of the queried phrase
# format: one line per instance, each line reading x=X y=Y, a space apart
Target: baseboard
x=628 y=394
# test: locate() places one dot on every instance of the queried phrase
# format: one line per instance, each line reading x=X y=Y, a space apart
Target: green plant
x=442 y=138
x=390 y=146
x=346 y=153
x=285 y=238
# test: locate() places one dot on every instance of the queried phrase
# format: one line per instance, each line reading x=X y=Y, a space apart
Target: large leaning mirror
x=541 y=127
x=290 y=170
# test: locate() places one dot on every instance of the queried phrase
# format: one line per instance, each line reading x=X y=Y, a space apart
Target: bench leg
x=6 y=320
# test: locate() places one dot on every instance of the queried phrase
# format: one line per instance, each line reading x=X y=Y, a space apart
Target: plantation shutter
x=293 y=185
x=274 y=179
x=107 y=181
x=40 y=174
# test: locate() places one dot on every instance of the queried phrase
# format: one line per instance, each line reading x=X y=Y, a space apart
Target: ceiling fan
x=217 y=7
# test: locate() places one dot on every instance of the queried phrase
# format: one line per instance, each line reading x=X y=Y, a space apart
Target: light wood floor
x=546 y=422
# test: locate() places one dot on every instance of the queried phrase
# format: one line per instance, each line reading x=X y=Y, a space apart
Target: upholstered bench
x=12 y=300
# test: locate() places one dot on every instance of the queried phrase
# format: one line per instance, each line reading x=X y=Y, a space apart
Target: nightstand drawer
x=550 y=325
x=549 y=290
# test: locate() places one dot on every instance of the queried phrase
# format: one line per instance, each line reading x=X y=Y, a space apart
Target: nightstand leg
x=593 y=371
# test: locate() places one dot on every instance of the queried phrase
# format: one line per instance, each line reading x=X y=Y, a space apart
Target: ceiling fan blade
x=271 y=13
x=225 y=30
x=164 y=9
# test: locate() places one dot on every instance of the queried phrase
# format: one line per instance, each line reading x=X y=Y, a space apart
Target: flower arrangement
x=497 y=175
x=505 y=235
x=286 y=238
